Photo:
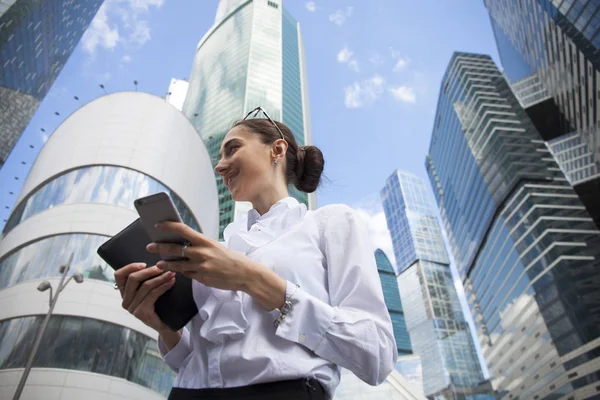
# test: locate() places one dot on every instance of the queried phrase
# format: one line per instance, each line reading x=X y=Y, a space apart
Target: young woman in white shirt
x=292 y=296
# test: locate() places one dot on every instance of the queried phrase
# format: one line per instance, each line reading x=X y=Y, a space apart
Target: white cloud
x=344 y=55
x=340 y=16
x=105 y=32
x=100 y=33
x=353 y=64
x=363 y=93
x=400 y=65
x=126 y=58
x=371 y=211
x=311 y=6
x=404 y=94
x=140 y=34
x=376 y=59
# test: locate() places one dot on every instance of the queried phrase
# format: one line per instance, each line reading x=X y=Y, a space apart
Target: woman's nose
x=220 y=168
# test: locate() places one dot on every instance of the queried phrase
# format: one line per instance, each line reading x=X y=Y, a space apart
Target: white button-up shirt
x=338 y=316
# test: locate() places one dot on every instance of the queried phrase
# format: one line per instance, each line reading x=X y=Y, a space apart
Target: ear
x=278 y=149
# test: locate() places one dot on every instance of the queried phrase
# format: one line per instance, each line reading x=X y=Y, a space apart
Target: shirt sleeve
x=354 y=330
x=175 y=357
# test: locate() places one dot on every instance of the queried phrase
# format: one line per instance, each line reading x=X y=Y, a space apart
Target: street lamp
x=42 y=287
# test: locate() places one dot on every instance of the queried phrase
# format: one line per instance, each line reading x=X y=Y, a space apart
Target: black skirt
x=298 y=389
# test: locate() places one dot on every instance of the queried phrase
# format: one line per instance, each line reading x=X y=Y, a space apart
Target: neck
x=266 y=200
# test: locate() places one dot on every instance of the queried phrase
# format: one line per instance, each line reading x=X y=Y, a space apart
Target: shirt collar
x=276 y=209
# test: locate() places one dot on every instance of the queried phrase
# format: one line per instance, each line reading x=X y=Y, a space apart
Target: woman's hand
x=140 y=287
x=214 y=265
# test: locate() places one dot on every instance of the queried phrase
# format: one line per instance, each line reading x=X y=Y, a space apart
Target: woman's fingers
x=122 y=274
x=184 y=231
x=145 y=310
x=134 y=280
x=146 y=287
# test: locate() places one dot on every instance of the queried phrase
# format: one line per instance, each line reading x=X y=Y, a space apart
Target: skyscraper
x=80 y=192
x=36 y=39
x=526 y=249
x=555 y=43
x=434 y=318
x=252 y=56
x=391 y=295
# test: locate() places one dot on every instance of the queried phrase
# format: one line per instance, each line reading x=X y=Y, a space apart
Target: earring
x=275 y=162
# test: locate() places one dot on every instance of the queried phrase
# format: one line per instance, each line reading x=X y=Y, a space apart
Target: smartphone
x=157 y=208
x=177 y=306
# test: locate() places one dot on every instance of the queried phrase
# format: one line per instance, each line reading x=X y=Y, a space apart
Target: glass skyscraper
x=391 y=295
x=525 y=246
x=434 y=318
x=557 y=42
x=252 y=56
x=36 y=39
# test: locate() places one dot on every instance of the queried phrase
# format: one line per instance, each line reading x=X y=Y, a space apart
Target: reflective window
x=36 y=39
x=43 y=258
x=99 y=184
x=85 y=345
x=230 y=77
x=391 y=295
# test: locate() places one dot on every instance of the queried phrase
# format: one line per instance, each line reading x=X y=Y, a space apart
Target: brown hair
x=304 y=164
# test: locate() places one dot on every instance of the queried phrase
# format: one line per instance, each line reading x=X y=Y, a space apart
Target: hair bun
x=309 y=167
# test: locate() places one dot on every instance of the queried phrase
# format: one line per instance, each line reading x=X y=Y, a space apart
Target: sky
x=374 y=70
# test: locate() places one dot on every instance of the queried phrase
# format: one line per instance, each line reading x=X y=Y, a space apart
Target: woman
x=290 y=298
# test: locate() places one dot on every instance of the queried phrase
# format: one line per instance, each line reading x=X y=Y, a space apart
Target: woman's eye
x=232 y=148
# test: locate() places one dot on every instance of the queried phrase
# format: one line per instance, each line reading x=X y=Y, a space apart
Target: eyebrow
x=228 y=144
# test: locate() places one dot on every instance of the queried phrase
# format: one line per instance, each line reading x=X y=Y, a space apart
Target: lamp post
x=45 y=285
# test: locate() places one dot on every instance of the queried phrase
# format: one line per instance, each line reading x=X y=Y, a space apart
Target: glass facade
x=434 y=318
x=36 y=39
x=574 y=159
x=527 y=250
x=391 y=296
x=85 y=344
x=249 y=58
x=43 y=258
x=559 y=41
x=416 y=233
x=98 y=184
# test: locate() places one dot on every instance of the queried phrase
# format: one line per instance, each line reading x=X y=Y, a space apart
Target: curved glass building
x=252 y=56
x=80 y=192
x=526 y=249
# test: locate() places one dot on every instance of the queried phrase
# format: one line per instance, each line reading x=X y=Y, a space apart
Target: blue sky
x=374 y=69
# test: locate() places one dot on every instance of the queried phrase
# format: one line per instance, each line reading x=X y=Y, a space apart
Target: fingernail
x=159 y=225
x=171 y=274
x=161 y=265
x=151 y=247
x=142 y=265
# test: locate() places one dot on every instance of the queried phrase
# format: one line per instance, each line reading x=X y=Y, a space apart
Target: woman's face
x=245 y=164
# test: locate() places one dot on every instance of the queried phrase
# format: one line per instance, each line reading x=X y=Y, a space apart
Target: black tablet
x=177 y=306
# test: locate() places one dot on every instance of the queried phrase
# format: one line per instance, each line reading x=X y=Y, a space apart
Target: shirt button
x=302 y=338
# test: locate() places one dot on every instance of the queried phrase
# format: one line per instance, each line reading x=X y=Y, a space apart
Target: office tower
x=80 y=192
x=524 y=245
x=177 y=92
x=434 y=318
x=392 y=301
x=36 y=40
x=252 y=56
x=555 y=43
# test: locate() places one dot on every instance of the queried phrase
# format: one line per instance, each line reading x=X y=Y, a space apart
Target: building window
x=272 y=4
x=95 y=184
x=43 y=258
x=85 y=344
